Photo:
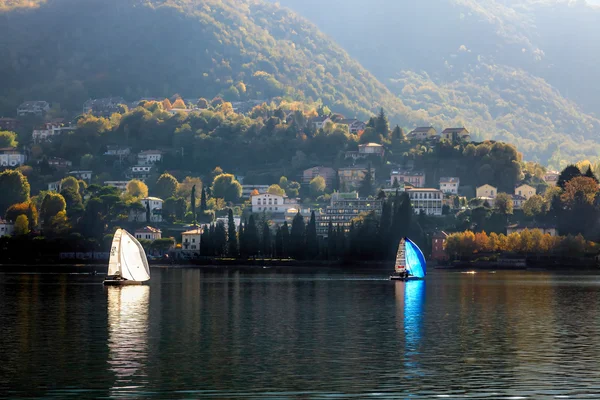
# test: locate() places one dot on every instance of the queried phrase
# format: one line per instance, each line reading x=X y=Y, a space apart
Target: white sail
x=115 y=249
x=132 y=257
x=401 y=257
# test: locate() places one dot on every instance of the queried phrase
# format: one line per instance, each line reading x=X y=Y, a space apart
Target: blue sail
x=415 y=261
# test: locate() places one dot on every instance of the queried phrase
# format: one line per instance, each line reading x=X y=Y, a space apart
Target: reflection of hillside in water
x=127 y=335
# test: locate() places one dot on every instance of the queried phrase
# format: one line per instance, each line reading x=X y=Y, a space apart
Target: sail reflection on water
x=410 y=297
x=127 y=335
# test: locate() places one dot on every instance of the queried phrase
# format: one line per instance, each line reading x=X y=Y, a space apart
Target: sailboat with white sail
x=410 y=262
x=128 y=264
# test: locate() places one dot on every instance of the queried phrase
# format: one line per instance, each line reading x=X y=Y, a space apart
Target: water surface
x=226 y=334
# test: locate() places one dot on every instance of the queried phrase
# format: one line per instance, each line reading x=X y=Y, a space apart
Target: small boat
x=410 y=262
x=128 y=264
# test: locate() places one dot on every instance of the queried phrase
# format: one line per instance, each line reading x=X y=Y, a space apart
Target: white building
x=121 y=185
x=428 y=200
x=148 y=233
x=526 y=191
x=54 y=186
x=83 y=175
x=319 y=122
x=272 y=203
x=156 y=206
x=6 y=228
x=116 y=151
x=449 y=185
x=36 y=108
x=141 y=172
x=423 y=133
x=190 y=241
x=486 y=191
x=149 y=157
x=248 y=189
x=49 y=131
x=9 y=157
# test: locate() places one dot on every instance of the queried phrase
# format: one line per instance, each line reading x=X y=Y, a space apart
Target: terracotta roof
x=147 y=229
x=454 y=130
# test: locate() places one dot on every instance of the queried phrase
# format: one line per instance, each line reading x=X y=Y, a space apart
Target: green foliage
x=503 y=203
x=276 y=190
x=226 y=187
x=22 y=225
x=14 y=188
x=317 y=186
x=166 y=186
x=8 y=139
x=53 y=204
x=137 y=188
x=70 y=183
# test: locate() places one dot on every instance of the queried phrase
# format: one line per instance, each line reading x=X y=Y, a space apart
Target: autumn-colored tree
x=26 y=208
x=21 y=225
x=276 y=190
x=14 y=188
x=166 y=186
x=255 y=192
x=70 y=182
x=53 y=204
x=179 y=104
x=137 y=188
x=535 y=205
x=582 y=186
x=166 y=103
x=503 y=203
x=8 y=139
x=185 y=187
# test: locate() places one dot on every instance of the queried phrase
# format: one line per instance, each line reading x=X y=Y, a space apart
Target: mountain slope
x=69 y=51
x=524 y=54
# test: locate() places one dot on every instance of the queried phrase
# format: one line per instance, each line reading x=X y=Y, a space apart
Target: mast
x=114 y=265
x=401 y=257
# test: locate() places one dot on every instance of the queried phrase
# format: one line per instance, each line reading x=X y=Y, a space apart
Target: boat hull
x=401 y=278
x=121 y=282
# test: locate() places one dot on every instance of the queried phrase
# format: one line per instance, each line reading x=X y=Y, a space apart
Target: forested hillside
x=67 y=51
x=523 y=71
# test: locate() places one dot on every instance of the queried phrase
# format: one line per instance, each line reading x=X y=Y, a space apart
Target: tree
x=586 y=187
x=70 y=182
x=14 y=188
x=297 y=235
x=137 y=188
x=503 y=203
x=276 y=190
x=8 y=139
x=590 y=174
x=166 y=186
x=232 y=241
x=85 y=162
x=53 y=204
x=148 y=215
x=566 y=175
x=27 y=208
x=283 y=182
x=366 y=186
x=312 y=242
x=534 y=206
x=382 y=125
x=166 y=103
x=285 y=240
x=226 y=187
x=317 y=186
x=179 y=104
x=266 y=240
x=203 y=200
x=193 y=202
x=398 y=134
x=251 y=237
x=184 y=189
x=21 y=225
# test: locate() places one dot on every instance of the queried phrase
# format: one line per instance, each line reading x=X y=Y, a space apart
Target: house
x=248 y=189
x=10 y=157
x=59 y=163
x=456 y=134
x=33 y=108
x=6 y=228
x=149 y=157
x=343 y=208
x=271 y=203
x=103 y=107
x=486 y=191
x=117 y=151
x=438 y=243
x=416 y=179
x=327 y=173
x=545 y=229
x=121 y=185
x=8 y=124
x=54 y=186
x=354 y=125
x=148 y=233
x=49 y=130
x=368 y=149
x=353 y=176
x=154 y=203
x=320 y=122
x=83 y=175
x=423 y=133
x=449 y=185
x=140 y=172
x=518 y=201
x=190 y=241
x=525 y=191
x=551 y=177
x=430 y=201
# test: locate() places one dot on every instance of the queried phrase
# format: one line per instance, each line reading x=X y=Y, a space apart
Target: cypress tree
x=220 y=239
x=340 y=245
x=285 y=240
x=232 y=241
x=366 y=186
x=203 y=206
x=148 y=211
x=297 y=237
x=251 y=235
x=266 y=240
x=242 y=239
x=590 y=174
x=193 y=203
x=331 y=241
x=278 y=243
x=312 y=242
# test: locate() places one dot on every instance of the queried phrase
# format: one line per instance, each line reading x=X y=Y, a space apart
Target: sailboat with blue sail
x=410 y=262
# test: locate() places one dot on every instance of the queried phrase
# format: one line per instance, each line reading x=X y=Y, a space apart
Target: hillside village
x=363 y=165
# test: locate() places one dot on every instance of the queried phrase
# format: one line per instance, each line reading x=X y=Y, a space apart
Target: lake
x=265 y=334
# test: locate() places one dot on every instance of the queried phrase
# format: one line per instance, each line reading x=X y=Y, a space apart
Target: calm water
x=195 y=334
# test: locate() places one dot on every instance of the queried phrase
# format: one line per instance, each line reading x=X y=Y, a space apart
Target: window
x=186 y=240
x=193 y=240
